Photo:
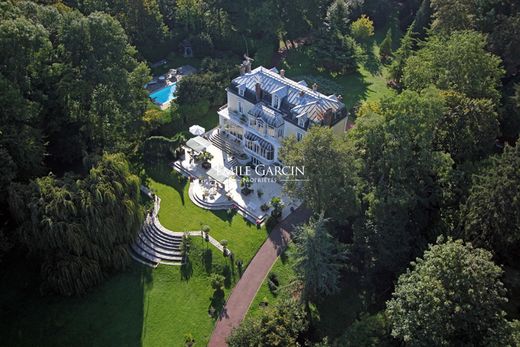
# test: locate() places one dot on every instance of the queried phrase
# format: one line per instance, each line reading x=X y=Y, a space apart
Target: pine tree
x=401 y=54
x=318 y=261
x=385 y=49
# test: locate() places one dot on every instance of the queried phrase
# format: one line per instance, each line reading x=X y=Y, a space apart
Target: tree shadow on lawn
x=207 y=260
x=373 y=62
x=162 y=173
x=355 y=88
x=110 y=315
x=217 y=302
x=224 y=215
x=228 y=217
x=186 y=270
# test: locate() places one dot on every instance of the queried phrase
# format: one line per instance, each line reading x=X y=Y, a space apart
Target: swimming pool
x=164 y=95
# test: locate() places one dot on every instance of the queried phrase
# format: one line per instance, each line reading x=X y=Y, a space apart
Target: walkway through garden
x=245 y=290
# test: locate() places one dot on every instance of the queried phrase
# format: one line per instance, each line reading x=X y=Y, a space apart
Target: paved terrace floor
x=252 y=202
x=245 y=291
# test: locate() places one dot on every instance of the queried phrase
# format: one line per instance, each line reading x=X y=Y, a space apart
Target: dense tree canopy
x=80 y=228
x=277 y=326
x=491 y=215
x=457 y=62
x=403 y=179
x=468 y=128
x=329 y=184
x=318 y=260
x=453 y=296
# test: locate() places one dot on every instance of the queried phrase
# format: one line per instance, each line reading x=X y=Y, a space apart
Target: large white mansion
x=264 y=107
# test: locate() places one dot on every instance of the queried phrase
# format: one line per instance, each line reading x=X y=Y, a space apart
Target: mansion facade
x=264 y=107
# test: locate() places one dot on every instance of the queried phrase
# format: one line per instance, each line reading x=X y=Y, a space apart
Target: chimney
x=327 y=117
x=258 y=90
x=282 y=73
x=248 y=65
x=242 y=69
x=314 y=87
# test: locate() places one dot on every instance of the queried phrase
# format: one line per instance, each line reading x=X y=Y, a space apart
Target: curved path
x=245 y=290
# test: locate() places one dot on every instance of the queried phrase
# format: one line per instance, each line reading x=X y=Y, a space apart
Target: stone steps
x=157 y=255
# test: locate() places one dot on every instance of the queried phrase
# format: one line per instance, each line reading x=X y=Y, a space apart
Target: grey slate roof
x=296 y=96
x=267 y=114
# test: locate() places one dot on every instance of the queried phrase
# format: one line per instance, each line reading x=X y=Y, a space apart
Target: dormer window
x=241 y=89
x=301 y=121
x=276 y=101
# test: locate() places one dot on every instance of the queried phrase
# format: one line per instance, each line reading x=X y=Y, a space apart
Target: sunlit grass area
x=140 y=307
x=178 y=213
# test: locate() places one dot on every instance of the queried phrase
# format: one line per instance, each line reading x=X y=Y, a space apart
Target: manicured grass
x=367 y=83
x=140 y=307
x=178 y=213
x=285 y=274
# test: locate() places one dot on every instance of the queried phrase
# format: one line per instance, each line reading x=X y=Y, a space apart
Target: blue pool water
x=164 y=95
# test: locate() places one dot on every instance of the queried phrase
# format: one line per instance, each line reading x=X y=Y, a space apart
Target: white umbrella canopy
x=197 y=130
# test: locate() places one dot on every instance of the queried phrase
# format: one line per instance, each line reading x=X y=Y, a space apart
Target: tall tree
x=318 y=260
x=338 y=16
x=79 y=228
x=404 y=51
x=385 y=48
x=328 y=185
x=453 y=296
x=491 y=217
x=459 y=62
x=468 y=128
x=403 y=178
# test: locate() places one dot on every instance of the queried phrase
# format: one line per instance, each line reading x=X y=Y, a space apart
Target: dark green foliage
x=404 y=51
x=319 y=259
x=207 y=86
x=458 y=62
x=453 y=296
x=79 y=228
x=338 y=16
x=385 y=49
x=329 y=179
x=468 y=128
x=70 y=79
x=277 y=326
x=142 y=21
x=368 y=331
x=159 y=147
x=335 y=52
x=404 y=182
x=491 y=217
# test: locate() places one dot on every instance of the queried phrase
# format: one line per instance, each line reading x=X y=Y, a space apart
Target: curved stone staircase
x=156 y=245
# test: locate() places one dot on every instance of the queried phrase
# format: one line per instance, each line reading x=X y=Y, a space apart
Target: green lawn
x=336 y=312
x=367 y=83
x=178 y=213
x=140 y=307
x=285 y=274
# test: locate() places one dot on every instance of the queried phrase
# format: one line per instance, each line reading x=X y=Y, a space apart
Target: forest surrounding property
x=415 y=236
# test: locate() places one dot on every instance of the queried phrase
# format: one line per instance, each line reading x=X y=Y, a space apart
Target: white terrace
x=219 y=187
